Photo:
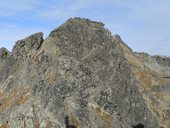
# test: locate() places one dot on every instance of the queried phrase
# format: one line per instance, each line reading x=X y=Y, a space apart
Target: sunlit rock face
x=81 y=76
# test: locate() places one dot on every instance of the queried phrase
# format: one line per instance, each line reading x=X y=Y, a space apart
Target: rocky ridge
x=81 y=76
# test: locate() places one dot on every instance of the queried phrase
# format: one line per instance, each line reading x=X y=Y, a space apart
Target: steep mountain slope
x=153 y=75
x=81 y=77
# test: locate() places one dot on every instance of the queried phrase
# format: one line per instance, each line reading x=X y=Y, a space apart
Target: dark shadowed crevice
x=138 y=126
x=67 y=123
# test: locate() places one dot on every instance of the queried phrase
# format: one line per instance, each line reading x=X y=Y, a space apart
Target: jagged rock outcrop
x=81 y=77
x=3 y=53
x=163 y=60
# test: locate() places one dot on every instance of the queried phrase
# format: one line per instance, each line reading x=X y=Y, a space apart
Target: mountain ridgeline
x=81 y=76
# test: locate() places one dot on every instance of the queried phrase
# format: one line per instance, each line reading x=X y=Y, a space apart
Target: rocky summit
x=81 y=76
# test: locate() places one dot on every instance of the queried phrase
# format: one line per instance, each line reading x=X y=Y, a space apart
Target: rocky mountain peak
x=77 y=24
x=80 y=28
x=33 y=41
x=80 y=76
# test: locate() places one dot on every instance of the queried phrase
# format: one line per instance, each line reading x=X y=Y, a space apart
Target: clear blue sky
x=144 y=25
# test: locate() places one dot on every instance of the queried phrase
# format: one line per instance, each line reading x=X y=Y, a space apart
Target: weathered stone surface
x=3 y=54
x=162 y=60
x=79 y=77
x=154 y=83
x=25 y=48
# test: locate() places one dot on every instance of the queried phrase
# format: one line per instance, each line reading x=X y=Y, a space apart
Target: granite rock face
x=81 y=76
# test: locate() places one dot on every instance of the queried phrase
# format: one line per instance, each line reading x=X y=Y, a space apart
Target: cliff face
x=82 y=77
